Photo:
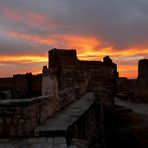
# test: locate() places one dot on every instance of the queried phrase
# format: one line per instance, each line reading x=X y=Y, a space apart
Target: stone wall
x=74 y=126
x=141 y=94
x=6 y=83
x=142 y=82
x=138 y=86
x=85 y=127
x=143 y=69
x=67 y=78
x=69 y=70
x=36 y=85
x=19 y=118
x=127 y=85
x=71 y=87
x=61 y=58
x=22 y=86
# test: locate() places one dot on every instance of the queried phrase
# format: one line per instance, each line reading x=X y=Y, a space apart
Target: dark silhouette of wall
x=143 y=69
x=22 y=85
x=63 y=82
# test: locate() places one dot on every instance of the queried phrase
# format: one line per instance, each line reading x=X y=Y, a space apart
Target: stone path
x=40 y=142
x=136 y=107
x=54 y=128
x=59 y=123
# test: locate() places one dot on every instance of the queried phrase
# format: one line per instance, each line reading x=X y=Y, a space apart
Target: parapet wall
x=22 y=86
x=19 y=118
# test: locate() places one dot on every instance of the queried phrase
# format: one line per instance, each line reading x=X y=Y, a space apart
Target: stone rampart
x=22 y=85
x=19 y=118
x=63 y=82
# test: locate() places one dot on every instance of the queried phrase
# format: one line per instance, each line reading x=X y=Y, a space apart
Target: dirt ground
x=125 y=128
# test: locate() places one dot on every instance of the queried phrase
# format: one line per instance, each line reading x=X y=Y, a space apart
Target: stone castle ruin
x=21 y=86
x=57 y=108
x=72 y=104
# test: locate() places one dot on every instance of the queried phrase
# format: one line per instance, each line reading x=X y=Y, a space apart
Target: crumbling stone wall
x=22 y=85
x=141 y=94
x=143 y=69
x=142 y=82
x=127 y=85
x=67 y=78
x=64 y=81
x=19 y=118
x=6 y=88
x=66 y=66
x=36 y=85
x=6 y=94
x=138 y=86
x=6 y=83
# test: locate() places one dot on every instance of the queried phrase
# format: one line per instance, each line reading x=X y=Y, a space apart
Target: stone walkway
x=51 y=133
x=59 y=123
x=136 y=107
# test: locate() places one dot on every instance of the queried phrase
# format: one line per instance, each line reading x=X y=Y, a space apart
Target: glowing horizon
x=27 y=59
x=87 y=49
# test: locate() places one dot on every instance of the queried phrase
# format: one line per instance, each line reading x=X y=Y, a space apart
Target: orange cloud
x=29 y=18
x=7 y=70
x=33 y=38
x=90 y=48
x=23 y=59
x=129 y=71
x=12 y=14
x=30 y=63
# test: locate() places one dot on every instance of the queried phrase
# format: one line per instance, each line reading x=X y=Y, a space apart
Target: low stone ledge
x=39 y=142
x=22 y=102
x=59 y=124
x=19 y=118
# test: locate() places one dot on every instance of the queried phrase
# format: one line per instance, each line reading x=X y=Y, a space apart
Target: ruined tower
x=143 y=69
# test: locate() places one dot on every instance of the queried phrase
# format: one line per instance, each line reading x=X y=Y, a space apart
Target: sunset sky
x=96 y=28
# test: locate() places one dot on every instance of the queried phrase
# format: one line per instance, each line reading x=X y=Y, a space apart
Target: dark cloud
x=10 y=45
x=122 y=24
